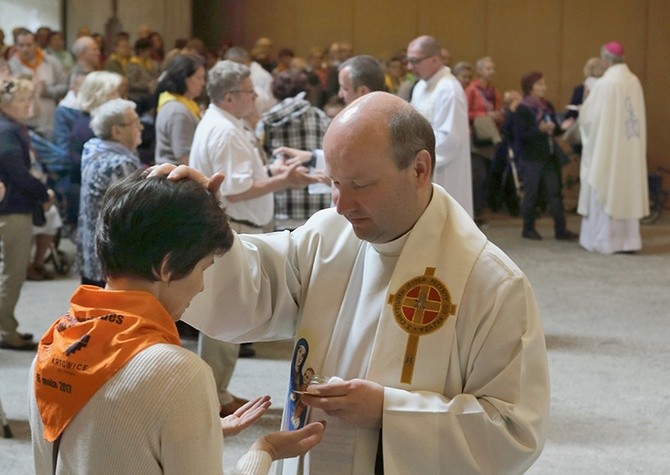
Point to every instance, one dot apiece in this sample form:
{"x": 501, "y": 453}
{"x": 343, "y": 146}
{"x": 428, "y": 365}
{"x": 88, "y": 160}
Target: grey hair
{"x": 80, "y": 45}
{"x": 238, "y": 54}
{"x": 482, "y": 61}
{"x": 96, "y": 88}
{"x": 366, "y": 71}
{"x": 594, "y": 67}
{"x": 612, "y": 58}
{"x": 224, "y": 77}
{"x": 409, "y": 133}
{"x": 461, "y": 66}
{"x": 109, "y": 114}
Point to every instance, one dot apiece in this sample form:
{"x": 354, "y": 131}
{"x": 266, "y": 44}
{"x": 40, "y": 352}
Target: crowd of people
{"x": 335, "y": 165}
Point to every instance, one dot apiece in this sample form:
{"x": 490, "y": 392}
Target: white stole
{"x": 444, "y": 238}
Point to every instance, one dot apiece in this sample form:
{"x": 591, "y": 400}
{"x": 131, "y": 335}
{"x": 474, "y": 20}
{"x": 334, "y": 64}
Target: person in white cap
{"x": 613, "y": 195}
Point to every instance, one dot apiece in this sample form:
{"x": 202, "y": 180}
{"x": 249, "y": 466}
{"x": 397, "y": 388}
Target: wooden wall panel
{"x": 459, "y": 26}
{"x": 276, "y": 19}
{"x": 332, "y": 22}
{"x": 657, "y": 92}
{"x": 588, "y": 25}
{"x": 385, "y": 27}
{"x": 519, "y": 43}
{"x": 553, "y": 36}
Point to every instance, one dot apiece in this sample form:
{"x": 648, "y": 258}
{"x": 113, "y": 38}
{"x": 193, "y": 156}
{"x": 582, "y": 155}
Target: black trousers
{"x": 542, "y": 188}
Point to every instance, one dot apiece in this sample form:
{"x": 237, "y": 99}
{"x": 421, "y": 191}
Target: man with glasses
{"x": 47, "y": 75}
{"x": 222, "y": 143}
{"x": 439, "y": 97}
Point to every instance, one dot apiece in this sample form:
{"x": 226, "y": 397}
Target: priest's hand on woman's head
{"x": 175, "y": 173}
{"x": 357, "y": 401}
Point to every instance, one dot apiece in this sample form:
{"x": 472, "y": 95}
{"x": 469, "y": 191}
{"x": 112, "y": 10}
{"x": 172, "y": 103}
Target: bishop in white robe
{"x": 613, "y": 176}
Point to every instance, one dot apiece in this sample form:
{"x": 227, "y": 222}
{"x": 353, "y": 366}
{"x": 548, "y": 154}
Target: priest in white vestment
{"x": 440, "y": 98}
{"x": 418, "y": 341}
{"x": 613, "y": 194}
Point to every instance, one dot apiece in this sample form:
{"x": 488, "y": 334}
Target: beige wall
{"x": 553, "y": 36}
{"x": 171, "y": 18}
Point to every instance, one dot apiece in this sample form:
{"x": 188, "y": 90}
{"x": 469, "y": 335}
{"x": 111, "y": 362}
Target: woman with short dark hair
{"x": 178, "y": 113}
{"x": 534, "y": 128}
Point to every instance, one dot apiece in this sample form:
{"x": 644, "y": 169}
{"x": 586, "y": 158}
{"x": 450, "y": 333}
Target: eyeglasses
{"x": 416, "y": 60}
{"x": 247, "y": 91}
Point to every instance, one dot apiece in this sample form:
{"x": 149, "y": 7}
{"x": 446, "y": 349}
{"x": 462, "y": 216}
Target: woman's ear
{"x": 164, "y": 274}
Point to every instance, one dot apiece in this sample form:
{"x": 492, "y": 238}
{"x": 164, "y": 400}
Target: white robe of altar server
{"x": 478, "y": 400}
{"x": 442, "y": 101}
{"x": 613, "y": 175}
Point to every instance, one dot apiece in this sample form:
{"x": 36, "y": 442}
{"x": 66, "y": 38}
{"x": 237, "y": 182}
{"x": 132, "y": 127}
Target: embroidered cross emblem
{"x": 420, "y": 306}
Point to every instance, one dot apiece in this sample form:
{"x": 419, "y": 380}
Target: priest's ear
{"x": 422, "y": 167}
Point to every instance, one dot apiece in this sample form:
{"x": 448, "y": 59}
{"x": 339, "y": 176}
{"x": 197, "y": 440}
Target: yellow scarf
{"x": 123, "y": 62}
{"x": 146, "y": 63}
{"x": 190, "y": 104}
{"x": 84, "y": 349}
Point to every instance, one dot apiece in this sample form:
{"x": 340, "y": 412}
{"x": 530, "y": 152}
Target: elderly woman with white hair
{"x": 25, "y": 194}
{"x": 97, "y": 88}
{"x": 107, "y": 158}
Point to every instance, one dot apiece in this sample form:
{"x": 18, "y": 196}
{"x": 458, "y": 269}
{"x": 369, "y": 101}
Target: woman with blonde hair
{"x": 98, "y": 87}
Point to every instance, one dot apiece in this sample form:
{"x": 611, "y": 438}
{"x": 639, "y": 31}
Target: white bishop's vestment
{"x": 476, "y": 399}
{"x": 613, "y": 176}
{"x": 442, "y": 101}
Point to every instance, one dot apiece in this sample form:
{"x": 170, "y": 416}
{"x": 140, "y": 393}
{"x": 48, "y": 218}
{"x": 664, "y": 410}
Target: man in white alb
{"x": 426, "y": 337}
{"x": 440, "y": 98}
{"x": 613, "y": 176}
{"x": 222, "y": 144}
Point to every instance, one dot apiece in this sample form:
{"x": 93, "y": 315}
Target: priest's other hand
{"x": 357, "y": 401}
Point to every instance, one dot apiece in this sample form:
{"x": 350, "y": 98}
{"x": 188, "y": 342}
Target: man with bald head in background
{"x": 440, "y": 98}
{"x": 87, "y": 55}
{"x": 425, "y": 335}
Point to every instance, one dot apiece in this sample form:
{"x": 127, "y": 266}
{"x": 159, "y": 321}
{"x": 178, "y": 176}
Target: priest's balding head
{"x": 380, "y": 153}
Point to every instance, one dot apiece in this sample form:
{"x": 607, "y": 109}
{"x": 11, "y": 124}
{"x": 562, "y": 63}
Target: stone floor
{"x": 607, "y": 323}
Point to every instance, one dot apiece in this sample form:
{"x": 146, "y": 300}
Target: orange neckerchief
{"x": 84, "y": 349}
{"x": 34, "y": 64}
